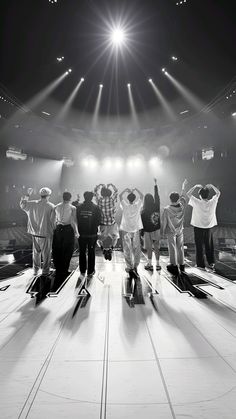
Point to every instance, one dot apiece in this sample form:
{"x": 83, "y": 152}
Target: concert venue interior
{"x": 122, "y": 92}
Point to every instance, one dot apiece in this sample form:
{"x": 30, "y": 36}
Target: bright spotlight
{"x": 101, "y": 86}
{"x": 118, "y": 163}
{"x": 150, "y": 80}
{"x": 128, "y": 85}
{"x": 107, "y": 163}
{"x": 82, "y": 79}
{"x": 234, "y": 114}
{"x": 154, "y": 162}
{"x": 67, "y": 72}
{"x": 163, "y": 69}
{"x": 70, "y": 70}
{"x": 117, "y": 36}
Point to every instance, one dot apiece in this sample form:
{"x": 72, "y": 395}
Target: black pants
{"x": 203, "y": 238}
{"x": 62, "y": 249}
{"x": 87, "y": 261}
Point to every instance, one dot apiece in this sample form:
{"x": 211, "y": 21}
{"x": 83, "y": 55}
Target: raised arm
{"x": 121, "y": 196}
{"x": 115, "y": 190}
{"x": 139, "y": 192}
{"x": 215, "y": 189}
{"x": 24, "y": 199}
{"x": 97, "y": 190}
{"x": 191, "y": 190}
{"x": 156, "y": 195}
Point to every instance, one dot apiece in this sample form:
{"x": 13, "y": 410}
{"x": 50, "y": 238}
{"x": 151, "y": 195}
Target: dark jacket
{"x": 88, "y": 219}
{"x": 151, "y": 217}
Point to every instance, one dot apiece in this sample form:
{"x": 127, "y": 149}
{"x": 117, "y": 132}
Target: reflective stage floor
{"x": 145, "y": 352}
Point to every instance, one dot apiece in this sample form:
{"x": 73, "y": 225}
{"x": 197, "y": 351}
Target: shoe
{"x": 148, "y": 267}
{"x": 173, "y": 269}
{"x": 91, "y": 274}
{"x": 182, "y": 268}
{"x": 36, "y": 272}
{"x": 158, "y": 267}
{"x": 212, "y": 267}
{"x": 201, "y": 267}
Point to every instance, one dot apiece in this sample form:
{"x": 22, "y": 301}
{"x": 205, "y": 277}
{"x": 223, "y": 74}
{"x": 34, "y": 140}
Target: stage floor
{"x": 158, "y": 353}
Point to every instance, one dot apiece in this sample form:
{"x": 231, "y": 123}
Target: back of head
{"x": 45, "y": 192}
{"x": 174, "y": 197}
{"x": 149, "y": 202}
{"x": 204, "y": 193}
{"x": 88, "y": 196}
{"x": 105, "y": 192}
{"x": 66, "y": 196}
{"x": 131, "y": 197}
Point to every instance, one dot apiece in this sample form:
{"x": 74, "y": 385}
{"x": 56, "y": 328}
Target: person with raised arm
{"x": 106, "y": 197}
{"x": 173, "y": 225}
{"x": 151, "y": 226}
{"x": 40, "y": 225}
{"x": 203, "y": 219}
{"x": 131, "y": 224}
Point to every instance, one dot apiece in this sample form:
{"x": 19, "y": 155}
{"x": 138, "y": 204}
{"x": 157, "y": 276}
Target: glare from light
{"x": 174, "y": 58}
{"x": 118, "y": 163}
{"x": 150, "y": 80}
{"x": 107, "y": 163}
{"x": 89, "y": 162}
{"x": 82, "y": 79}
{"x": 154, "y": 162}
{"x": 118, "y": 36}
{"x": 163, "y": 69}
{"x": 128, "y": 85}
{"x": 101, "y": 86}
{"x": 234, "y": 114}
{"x": 70, "y": 70}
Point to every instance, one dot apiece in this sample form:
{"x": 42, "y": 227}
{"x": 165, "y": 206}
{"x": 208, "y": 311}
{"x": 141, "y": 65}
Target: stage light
{"x": 166, "y": 73}
{"x": 118, "y": 163}
{"x": 82, "y": 79}
{"x": 67, "y": 72}
{"x": 174, "y": 58}
{"x": 70, "y": 70}
{"x": 128, "y": 85}
{"x": 118, "y": 36}
{"x": 46, "y": 113}
{"x": 163, "y": 69}
{"x": 234, "y": 114}
{"x": 155, "y": 162}
{"x": 186, "y": 111}
{"x": 150, "y": 80}
{"x": 107, "y": 163}
{"x": 68, "y": 162}
{"x": 15, "y": 154}
{"x": 101, "y": 86}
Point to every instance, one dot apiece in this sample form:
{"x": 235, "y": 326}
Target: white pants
{"x": 176, "y": 248}
{"x": 42, "y": 247}
{"x": 131, "y": 249}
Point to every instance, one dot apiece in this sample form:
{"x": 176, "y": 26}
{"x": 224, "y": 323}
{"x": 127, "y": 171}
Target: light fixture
{"x": 101, "y": 86}
{"x": 150, "y": 80}
{"x": 117, "y": 36}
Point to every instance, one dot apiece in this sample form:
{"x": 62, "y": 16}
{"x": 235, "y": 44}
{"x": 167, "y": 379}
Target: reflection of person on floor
{"x": 151, "y": 226}
{"x": 107, "y": 199}
{"x": 131, "y": 224}
{"x": 203, "y": 219}
{"x": 173, "y": 219}
{"x": 88, "y": 219}
{"x": 40, "y": 225}
{"x": 64, "y": 236}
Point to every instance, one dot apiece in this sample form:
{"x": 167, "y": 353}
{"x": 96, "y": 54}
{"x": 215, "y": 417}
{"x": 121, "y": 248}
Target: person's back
{"x": 89, "y": 218}
{"x": 204, "y": 211}
{"x": 175, "y": 216}
{"x": 40, "y": 216}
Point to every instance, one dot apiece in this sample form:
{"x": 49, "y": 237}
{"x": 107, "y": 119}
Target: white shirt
{"x": 66, "y": 214}
{"x": 131, "y": 218}
{"x": 204, "y": 212}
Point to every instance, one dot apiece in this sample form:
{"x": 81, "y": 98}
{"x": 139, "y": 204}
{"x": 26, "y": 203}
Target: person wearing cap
{"x": 64, "y": 236}
{"x": 88, "y": 219}
{"x": 40, "y": 226}
{"x": 203, "y": 219}
{"x": 131, "y": 224}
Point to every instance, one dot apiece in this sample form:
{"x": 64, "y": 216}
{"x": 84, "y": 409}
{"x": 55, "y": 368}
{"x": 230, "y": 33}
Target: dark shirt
{"x": 151, "y": 217}
{"x": 88, "y": 218}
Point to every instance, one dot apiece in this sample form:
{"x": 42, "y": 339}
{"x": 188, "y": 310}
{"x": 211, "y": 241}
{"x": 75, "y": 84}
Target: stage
{"x": 95, "y": 350}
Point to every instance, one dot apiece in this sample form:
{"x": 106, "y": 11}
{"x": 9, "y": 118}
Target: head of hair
{"x": 174, "y": 197}
{"x": 88, "y": 196}
{"x": 204, "y": 193}
{"x": 131, "y": 197}
{"x": 105, "y": 192}
{"x": 45, "y": 192}
{"x": 66, "y": 196}
{"x": 148, "y": 203}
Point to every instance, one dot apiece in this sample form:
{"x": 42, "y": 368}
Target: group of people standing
{"x": 54, "y": 228}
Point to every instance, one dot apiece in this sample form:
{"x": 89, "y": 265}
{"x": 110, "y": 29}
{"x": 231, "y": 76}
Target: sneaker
{"x": 173, "y": 269}
{"x": 201, "y": 267}
{"x": 148, "y": 267}
{"x": 158, "y": 267}
{"x": 91, "y": 274}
